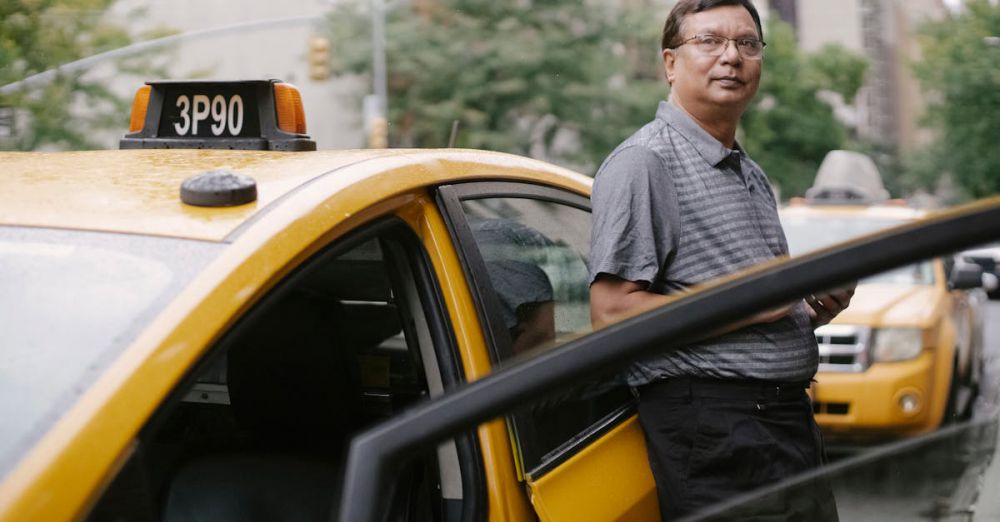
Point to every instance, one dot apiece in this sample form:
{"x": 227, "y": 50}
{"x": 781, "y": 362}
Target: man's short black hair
{"x": 672, "y": 28}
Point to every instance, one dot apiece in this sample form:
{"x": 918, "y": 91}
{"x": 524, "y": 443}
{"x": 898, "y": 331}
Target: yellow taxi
{"x": 906, "y": 355}
{"x": 184, "y": 323}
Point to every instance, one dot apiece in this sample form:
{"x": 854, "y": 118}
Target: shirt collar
{"x": 711, "y": 149}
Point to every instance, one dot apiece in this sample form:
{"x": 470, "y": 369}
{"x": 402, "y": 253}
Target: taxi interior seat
{"x": 295, "y": 392}
{"x": 260, "y": 430}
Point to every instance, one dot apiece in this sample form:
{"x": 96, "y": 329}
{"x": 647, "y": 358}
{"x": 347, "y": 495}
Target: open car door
{"x": 376, "y": 453}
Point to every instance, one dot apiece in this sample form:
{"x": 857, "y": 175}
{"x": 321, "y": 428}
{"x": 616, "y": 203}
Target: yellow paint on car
{"x": 306, "y": 200}
{"x": 609, "y": 480}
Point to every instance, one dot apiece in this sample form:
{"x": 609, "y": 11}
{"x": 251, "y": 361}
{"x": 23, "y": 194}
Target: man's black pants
{"x": 711, "y": 440}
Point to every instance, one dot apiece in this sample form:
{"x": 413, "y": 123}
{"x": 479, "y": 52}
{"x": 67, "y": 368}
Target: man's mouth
{"x": 729, "y": 81}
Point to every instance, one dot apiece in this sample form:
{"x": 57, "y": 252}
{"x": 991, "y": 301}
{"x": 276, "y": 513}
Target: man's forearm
{"x": 610, "y": 304}
{"x": 607, "y": 309}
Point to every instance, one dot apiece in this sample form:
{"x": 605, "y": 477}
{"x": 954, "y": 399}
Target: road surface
{"x": 947, "y": 480}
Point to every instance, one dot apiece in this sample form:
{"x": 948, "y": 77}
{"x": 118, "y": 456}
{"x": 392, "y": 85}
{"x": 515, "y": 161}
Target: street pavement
{"x": 988, "y": 402}
{"x": 987, "y": 406}
{"x": 951, "y": 479}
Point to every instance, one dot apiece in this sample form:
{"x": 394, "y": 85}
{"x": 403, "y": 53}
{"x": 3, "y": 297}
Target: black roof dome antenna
{"x": 218, "y": 188}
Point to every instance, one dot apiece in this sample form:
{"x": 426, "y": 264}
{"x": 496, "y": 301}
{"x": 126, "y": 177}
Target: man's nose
{"x": 731, "y": 53}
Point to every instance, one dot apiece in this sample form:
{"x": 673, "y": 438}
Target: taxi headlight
{"x": 897, "y": 344}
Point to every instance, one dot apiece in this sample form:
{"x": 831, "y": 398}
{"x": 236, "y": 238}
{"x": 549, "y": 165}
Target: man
{"x": 680, "y": 203}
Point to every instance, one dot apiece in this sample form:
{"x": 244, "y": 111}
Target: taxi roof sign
{"x": 245, "y": 115}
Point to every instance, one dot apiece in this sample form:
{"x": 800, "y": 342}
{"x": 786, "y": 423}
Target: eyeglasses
{"x": 715, "y": 45}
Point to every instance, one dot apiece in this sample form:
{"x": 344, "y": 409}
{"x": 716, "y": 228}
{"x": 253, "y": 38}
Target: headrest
{"x": 289, "y": 377}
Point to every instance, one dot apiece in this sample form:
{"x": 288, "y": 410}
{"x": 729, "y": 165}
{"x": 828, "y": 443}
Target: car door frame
{"x": 449, "y": 199}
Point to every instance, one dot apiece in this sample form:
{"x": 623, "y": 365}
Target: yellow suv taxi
{"x": 906, "y": 355}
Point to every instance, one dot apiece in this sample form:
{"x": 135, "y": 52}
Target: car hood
{"x": 892, "y": 305}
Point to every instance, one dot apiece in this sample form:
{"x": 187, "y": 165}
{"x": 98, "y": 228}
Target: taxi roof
{"x": 138, "y": 191}
{"x": 891, "y": 212}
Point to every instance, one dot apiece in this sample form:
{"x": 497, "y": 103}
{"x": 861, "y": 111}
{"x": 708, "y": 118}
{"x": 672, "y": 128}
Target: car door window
{"x": 532, "y": 246}
{"x": 260, "y": 430}
{"x": 535, "y": 257}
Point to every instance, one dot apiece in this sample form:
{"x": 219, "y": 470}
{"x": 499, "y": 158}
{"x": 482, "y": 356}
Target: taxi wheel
{"x": 975, "y": 377}
{"x": 970, "y": 383}
{"x": 959, "y": 406}
{"x": 950, "y": 409}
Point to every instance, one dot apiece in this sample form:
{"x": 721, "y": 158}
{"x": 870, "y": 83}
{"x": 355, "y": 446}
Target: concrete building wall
{"x": 763, "y": 9}
{"x": 823, "y": 21}
{"x": 889, "y": 105}
{"x": 880, "y": 39}
{"x": 910, "y": 15}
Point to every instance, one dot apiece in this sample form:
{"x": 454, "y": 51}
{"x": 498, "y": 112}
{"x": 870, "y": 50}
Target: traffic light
{"x": 378, "y": 133}
{"x": 319, "y": 58}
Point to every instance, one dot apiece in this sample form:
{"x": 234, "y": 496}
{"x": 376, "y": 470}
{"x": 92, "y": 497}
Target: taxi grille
{"x": 843, "y": 348}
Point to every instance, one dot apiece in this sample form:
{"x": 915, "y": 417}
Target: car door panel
{"x": 605, "y": 481}
{"x": 525, "y": 246}
{"x": 498, "y": 467}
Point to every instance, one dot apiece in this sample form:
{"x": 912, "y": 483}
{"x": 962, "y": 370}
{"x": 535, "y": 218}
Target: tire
{"x": 951, "y": 413}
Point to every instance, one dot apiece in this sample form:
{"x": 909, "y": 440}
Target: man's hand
{"x": 824, "y": 307}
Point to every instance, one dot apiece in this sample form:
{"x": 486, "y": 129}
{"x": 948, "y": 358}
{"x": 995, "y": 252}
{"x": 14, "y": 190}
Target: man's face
{"x": 702, "y": 82}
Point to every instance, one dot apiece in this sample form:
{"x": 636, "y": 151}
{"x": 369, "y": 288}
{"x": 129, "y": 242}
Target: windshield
{"x": 71, "y": 302}
{"x": 806, "y": 234}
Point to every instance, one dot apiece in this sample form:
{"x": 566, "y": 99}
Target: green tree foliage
{"x": 837, "y": 69}
{"x": 519, "y": 74}
{"x": 38, "y": 35}
{"x": 787, "y": 129}
{"x": 960, "y": 71}
{"x": 566, "y": 80}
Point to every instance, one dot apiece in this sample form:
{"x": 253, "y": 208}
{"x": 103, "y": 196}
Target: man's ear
{"x": 669, "y": 59}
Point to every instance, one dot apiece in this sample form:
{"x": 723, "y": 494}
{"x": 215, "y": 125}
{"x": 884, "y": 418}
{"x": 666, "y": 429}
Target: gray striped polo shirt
{"x": 673, "y": 207}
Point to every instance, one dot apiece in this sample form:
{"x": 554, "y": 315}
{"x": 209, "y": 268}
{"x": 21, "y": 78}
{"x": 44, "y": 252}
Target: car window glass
{"x": 535, "y": 254}
{"x": 58, "y": 339}
{"x": 263, "y": 426}
{"x": 806, "y": 234}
